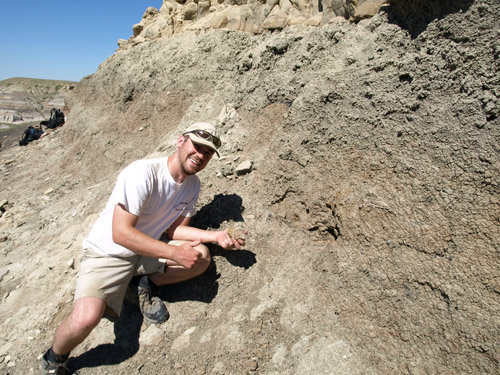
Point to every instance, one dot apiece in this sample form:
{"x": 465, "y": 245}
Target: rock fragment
{"x": 3, "y": 206}
{"x": 237, "y": 233}
{"x": 244, "y": 168}
{"x": 3, "y": 273}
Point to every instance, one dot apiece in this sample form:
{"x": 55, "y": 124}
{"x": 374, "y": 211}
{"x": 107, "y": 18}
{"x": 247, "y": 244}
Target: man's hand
{"x": 227, "y": 242}
{"x": 186, "y": 256}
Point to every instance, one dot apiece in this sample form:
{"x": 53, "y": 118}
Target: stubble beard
{"x": 194, "y": 168}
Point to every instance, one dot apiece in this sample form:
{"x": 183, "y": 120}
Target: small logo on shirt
{"x": 181, "y": 206}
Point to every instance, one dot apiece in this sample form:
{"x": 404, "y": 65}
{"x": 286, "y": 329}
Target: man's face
{"x": 193, "y": 156}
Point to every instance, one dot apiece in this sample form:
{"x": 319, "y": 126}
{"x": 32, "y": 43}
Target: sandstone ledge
{"x": 244, "y": 15}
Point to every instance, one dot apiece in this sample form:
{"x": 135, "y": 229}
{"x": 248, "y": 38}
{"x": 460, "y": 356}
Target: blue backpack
{"x": 31, "y": 134}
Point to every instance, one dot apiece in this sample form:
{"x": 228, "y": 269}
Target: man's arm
{"x": 126, "y": 235}
{"x": 180, "y": 230}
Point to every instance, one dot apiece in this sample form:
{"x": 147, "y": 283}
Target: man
{"x": 123, "y": 254}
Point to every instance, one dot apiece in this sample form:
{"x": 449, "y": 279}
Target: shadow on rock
{"x": 224, "y": 207}
{"x": 127, "y": 330}
{"x": 239, "y": 258}
{"x": 203, "y": 288}
{"x": 415, "y": 16}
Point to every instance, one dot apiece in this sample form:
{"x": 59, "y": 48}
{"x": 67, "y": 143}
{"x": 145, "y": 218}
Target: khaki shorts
{"x": 107, "y": 277}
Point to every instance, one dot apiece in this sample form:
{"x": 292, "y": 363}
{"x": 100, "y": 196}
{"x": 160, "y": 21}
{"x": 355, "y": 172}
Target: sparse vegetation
{"x": 33, "y": 82}
{"x": 5, "y": 126}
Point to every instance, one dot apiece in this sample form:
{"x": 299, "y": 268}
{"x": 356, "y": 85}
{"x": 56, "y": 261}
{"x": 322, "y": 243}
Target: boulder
{"x": 137, "y": 29}
{"x": 368, "y": 9}
{"x": 277, "y": 19}
{"x": 190, "y": 11}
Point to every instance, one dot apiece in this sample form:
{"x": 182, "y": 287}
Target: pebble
{"x": 252, "y": 364}
{"x": 244, "y": 168}
{"x": 3, "y": 273}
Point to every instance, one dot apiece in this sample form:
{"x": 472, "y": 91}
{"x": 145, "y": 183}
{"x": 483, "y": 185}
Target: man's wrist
{"x": 167, "y": 251}
{"x": 215, "y": 235}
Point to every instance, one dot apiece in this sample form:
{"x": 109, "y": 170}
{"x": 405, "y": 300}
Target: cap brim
{"x": 204, "y": 142}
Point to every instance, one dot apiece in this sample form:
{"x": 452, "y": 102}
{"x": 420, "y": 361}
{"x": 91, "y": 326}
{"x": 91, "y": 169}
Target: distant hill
{"x": 30, "y": 100}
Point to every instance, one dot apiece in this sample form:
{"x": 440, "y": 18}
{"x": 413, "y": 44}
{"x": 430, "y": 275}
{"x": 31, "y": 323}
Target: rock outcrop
{"x": 254, "y": 16}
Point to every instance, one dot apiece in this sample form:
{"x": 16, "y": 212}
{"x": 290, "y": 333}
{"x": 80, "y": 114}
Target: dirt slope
{"x": 372, "y": 206}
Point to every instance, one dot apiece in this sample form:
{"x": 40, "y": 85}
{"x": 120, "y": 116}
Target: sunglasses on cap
{"x": 206, "y": 135}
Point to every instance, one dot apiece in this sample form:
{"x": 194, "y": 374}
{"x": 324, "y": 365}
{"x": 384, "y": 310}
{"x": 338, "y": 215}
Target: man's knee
{"x": 204, "y": 261}
{"x": 87, "y": 313}
{"x": 205, "y": 253}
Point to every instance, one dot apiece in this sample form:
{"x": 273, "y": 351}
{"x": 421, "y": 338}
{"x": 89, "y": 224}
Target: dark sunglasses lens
{"x": 203, "y": 134}
{"x": 206, "y": 135}
{"x": 216, "y": 141}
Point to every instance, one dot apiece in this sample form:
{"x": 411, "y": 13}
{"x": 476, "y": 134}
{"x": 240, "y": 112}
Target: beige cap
{"x": 204, "y": 134}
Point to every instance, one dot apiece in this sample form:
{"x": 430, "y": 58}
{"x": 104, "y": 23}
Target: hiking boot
{"x": 53, "y": 368}
{"x": 152, "y": 307}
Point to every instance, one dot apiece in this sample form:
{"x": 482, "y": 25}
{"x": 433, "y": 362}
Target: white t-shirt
{"x": 146, "y": 189}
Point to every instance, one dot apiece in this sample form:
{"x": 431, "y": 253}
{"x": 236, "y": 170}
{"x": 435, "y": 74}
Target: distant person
{"x": 123, "y": 254}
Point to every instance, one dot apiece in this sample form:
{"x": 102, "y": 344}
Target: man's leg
{"x": 142, "y": 289}
{"x": 175, "y": 273}
{"x": 86, "y": 314}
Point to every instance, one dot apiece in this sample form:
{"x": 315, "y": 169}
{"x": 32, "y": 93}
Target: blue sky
{"x": 63, "y": 39}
